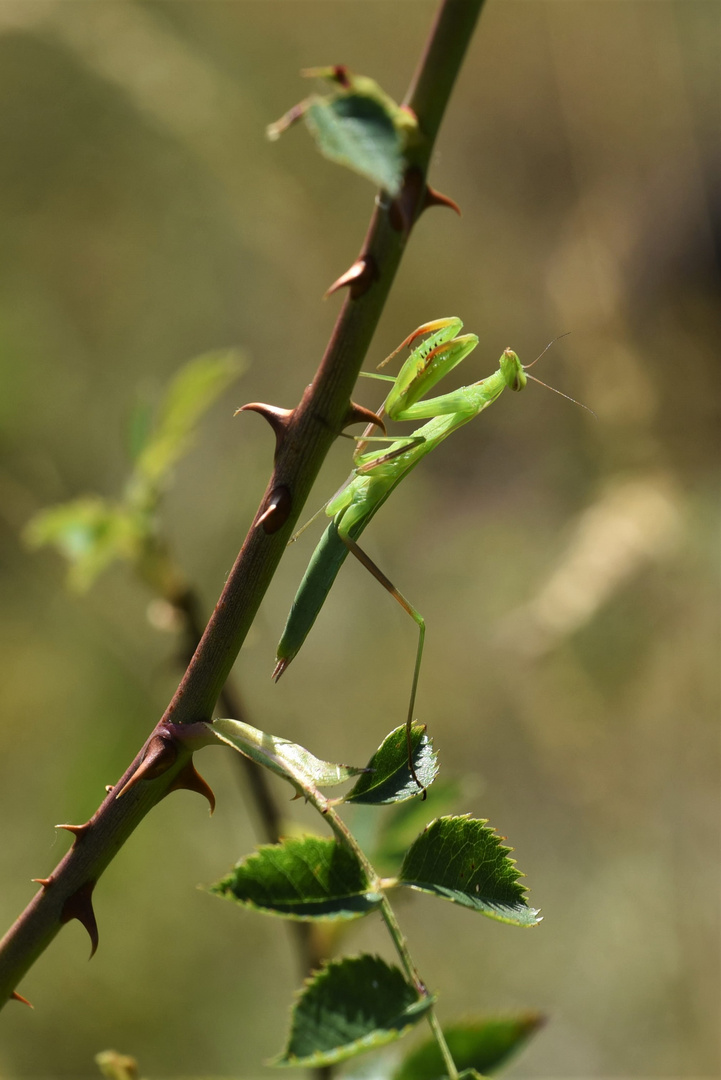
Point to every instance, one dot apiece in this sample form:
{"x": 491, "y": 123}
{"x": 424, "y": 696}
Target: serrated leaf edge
{"x": 370, "y": 1041}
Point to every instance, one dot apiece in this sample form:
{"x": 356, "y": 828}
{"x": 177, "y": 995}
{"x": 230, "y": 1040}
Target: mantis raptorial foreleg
{"x": 377, "y": 472}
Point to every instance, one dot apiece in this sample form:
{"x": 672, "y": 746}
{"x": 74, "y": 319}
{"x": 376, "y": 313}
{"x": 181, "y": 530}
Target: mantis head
{"x": 512, "y": 370}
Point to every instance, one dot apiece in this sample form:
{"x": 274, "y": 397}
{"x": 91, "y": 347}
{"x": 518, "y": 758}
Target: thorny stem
{"x": 307, "y": 437}
{"x": 309, "y": 946}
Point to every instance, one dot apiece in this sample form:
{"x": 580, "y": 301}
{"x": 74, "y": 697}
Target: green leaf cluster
{"x": 359, "y": 1003}
{"x": 91, "y": 532}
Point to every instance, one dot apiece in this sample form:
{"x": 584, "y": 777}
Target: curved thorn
{"x": 276, "y": 514}
{"x": 77, "y": 830}
{"x": 359, "y": 277}
{"x": 80, "y": 906}
{"x": 279, "y": 419}
{"x": 45, "y": 882}
{"x": 189, "y": 779}
{"x": 18, "y": 997}
{"x": 358, "y": 414}
{"x": 437, "y": 198}
{"x": 160, "y": 755}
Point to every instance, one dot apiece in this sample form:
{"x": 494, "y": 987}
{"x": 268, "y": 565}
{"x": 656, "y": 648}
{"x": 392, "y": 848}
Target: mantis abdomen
{"x": 320, "y": 574}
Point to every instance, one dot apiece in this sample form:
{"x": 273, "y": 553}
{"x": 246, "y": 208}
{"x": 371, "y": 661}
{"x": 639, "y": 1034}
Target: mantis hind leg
{"x": 378, "y": 574}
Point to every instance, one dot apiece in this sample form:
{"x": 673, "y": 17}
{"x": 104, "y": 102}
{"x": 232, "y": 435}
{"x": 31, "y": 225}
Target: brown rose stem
{"x": 303, "y": 440}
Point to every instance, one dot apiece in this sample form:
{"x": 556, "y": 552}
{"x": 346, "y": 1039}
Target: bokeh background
{"x": 566, "y": 565}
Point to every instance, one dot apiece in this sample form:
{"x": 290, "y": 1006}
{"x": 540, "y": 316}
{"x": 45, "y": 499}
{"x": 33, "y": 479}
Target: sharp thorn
{"x": 358, "y": 414}
{"x": 80, "y": 906}
{"x": 159, "y": 756}
{"x": 46, "y": 882}
{"x": 18, "y": 997}
{"x": 359, "y": 278}
{"x": 279, "y": 419}
{"x": 76, "y": 830}
{"x": 436, "y": 198}
{"x": 276, "y": 514}
{"x": 189, "y": 779}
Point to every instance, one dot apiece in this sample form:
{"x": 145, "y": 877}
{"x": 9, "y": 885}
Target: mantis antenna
{"x": 553, "y": 388}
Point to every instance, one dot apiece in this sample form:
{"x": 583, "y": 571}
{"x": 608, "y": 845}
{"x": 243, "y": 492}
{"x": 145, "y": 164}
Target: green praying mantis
{"x": 377, "y": 473}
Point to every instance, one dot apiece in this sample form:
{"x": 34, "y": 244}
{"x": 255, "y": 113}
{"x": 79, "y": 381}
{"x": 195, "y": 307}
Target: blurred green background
{"x": 566, "y": 566}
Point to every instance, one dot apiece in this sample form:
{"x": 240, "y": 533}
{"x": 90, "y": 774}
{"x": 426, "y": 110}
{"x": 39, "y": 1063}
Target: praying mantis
{"x": 377, "y": 473}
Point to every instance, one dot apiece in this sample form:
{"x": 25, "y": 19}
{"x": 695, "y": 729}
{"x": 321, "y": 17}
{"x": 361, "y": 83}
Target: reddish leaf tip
{"x": 279, "y": 668}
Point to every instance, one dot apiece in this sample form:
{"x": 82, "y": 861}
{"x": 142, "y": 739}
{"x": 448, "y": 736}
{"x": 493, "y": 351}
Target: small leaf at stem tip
{"x": 348, "y": 1007}
{"x": 478, "y": 1046}
{"x": 463, "y": 860}
{"x": 388, "y": 778}
{"x": 286, "y": 759}
{"x": 305, "y": 878}
{"x": 357, "y": 125}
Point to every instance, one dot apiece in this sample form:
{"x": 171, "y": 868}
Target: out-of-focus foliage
{"x": 92, "y": 532}
{"x": 566, "y": 567}
{"x": 484, "y": 1045}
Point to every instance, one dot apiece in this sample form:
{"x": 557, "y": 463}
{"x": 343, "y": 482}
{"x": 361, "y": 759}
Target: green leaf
{"x": 348, "y": 1007}
{"x": 287, "y": 759}
{"x": 358, "y": 125}
{"x": 308, "y": 878}
{"x": 89, "y": 532}
{"x": 190, "y": 394}
{"x": 355, "y": 131}
{"x": 388, "y": 778}
{"x": 477, "y": 1047}
{"x": 461, "y": 859}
